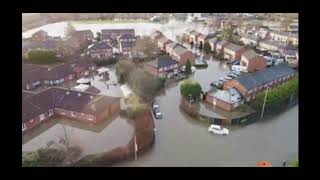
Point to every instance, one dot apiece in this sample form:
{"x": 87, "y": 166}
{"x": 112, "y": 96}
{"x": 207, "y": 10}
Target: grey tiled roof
{"x": 34, "y": 105}
{"x": 162, "y": 61}
{"x": 100, "y": 45}
{"x": 252, "y": 80}
{"x": 233, "y": 47}
{"x": 213, "y": 40}
{"x": 222, "y": 42}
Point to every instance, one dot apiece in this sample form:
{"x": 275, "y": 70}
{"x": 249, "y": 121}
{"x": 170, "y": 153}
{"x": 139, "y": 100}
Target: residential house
{"x": 227, "y": 100}
{"x": 262, "y": 32}
{"x": 220, "y": 46}
{"x": 201, "y": 40}
{"x": 233, "y": 52}
{"x": 194, "y": 37}
{"x": 155, "y": 36}
{"x": 250, "y": 84}
{"x": 285, "y": 37}
{"x": 163, "y": 66}
{"x": 272, "y": 45}
{"x": 106, "y": 38}
{"x": 114, "y": 33}
{"x": 163, "y": 42}
{"x": 213, "y": 43}
{"x": 181, "y": 55}
{"x": 84, "y": 35}
{"x": 40, "y": 36}
{"x": 81, "y": 106}
{"x": 35, "y": 75}
{"x": 251, "y": 61}
{"x": 249, "y": 39}
{"x": 126, "y": 47}
{"x": 101, "y": 50}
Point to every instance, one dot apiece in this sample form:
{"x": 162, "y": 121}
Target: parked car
{"x": 227, "y": 78}
{"x": 216, "y": 129}
{"x": 155, "y": 105}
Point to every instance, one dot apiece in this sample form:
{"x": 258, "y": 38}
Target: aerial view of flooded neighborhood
{"x": 160, "y": 89}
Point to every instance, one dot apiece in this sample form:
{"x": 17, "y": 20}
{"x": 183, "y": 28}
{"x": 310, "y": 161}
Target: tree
{"x": 69, "y": 30}
{"x": 123, "y": 69}
{"x": 144, "y": 85}
{"x": 188, "y": 67}
{"x": 98, "y": 38}
{"x": 190, "y": 87}
{"x": 207, "y": 48}
{"x": 146, "y": 46}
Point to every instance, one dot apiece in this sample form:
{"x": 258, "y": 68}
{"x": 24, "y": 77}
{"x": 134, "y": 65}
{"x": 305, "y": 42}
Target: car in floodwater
{"x": 156, "y": 110}
{"x": 216, "y": 129}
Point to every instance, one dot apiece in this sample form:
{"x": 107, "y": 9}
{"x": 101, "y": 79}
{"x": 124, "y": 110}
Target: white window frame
{"x": 24, "y": 127}
{"x": 42, "y": 117}
{"x": 50, "y": 112}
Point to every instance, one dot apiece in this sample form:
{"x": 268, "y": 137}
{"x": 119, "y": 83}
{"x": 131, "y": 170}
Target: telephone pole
{"x": 264, "y": 103}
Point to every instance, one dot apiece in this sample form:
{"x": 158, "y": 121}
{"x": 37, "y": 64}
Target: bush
{"x": 135, "y": 106}
{"x": 190, "y": 87}
{"x": 201, "y": 65}
{"x": 188, "y": 67}
{"x": 42, "y": 57}
{"x": 43, "y": 157}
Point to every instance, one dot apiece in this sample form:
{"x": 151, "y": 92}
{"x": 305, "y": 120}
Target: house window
{"x": 42, "y": 117}
{"x": 50, "y": 112}
{"x": 90, "y": 117}
{"x": 73, "y": 114}
{"x": 24, "y": 127}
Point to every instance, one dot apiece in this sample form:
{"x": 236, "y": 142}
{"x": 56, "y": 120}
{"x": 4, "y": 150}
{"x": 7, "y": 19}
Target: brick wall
{"x": 184, "y": 57}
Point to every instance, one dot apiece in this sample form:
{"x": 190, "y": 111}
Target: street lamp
{"x": 264, "y": 103}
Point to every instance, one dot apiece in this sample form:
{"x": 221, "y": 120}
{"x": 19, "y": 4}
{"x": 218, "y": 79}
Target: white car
{"x": 218, "y": 130}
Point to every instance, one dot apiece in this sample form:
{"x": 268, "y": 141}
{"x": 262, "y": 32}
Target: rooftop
{"x": 252, "y": 80}
{"x": 179, "y": 50}
{"x": 100, "y": 45}
{"x": 229, "y": 96}
{"x": 233, "y": 47}
{"x": 65, "y": 99}
{"x": 162, "y": 61}
{"x": 250, "y": 54}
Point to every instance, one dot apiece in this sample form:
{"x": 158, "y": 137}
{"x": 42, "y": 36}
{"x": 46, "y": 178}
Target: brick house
{"x": 81, "y": 106}
{"x": 213, "y": 43}
{"x": 126, "y": 47}
{"x": 155, "y": 36}
{"x": 251, "y": 61}
{"x": 163, "y": 66}
{"x": 284, "y": 37}
{"x": 201, "y": 39}
{"x": 115, "y": 33}
{"x": 84, "y": 35}
{"x": 233, "y": 52}
{"x": 272, "y": 45}
{"x": 220, "y": 46}
{"x": 194, "y": 37}
{"x": 249, "y": 39}
{"x": 250, "y": 84}
{"x": 106, "y": 38}
{"x": 163, "y": 42}
{"x": 40, "y": 36}
{"x": 35, "y": 75}
{"x": 101, "y": 50}
{"x": 227, "y": 100}
{"x": 181, "y": 55}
